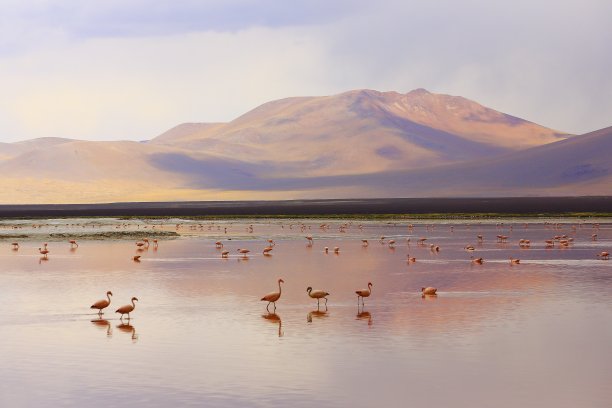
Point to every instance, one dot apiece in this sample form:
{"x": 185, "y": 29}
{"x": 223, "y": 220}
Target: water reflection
{"x": 128, "y": 328}
{"x": 317, "y": 314}
{"x": 104, "y": 325}
{"x": 274, "y": 318}
{"x": 364, "y": 315}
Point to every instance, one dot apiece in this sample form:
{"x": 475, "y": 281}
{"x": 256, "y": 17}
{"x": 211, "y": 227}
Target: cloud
{"x": 109, "y": 70}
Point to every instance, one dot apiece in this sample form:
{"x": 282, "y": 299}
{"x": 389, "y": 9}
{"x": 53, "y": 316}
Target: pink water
{"x": 538, "y": 334}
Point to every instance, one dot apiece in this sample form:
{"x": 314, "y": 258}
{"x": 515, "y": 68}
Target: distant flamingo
{"x": 15, "y": 246}
{"x": 470, "y": 247}
{"x": 391, "y": 243}
{"x": 336, "y": 250}
{"x": 317, "y": 294}
{"x": 225, "y": 254}
{"x": 102, "y": 304}
{"x": 136, "y": 258}
{"x": 364, "y": 293}
{"x": 267, "y": 250}
{"x": 218, "y": 244}
{"x": 273, "y": 296}
{"x": 244, "y": 252}
{"x": 73, "y": 243}
{"x": 514, "y": 261}
{"x": 44, "y": 252}
{"x": 479, "y": 261}
{"x": 326, "y": 250}
{"x": 410, "y": 259}
{"x": 127, "y": 309}
{"x": 365, "y": 242}
{"x": 429, "y": 291}
{"x": 309, "y": 238}
{"x": 604, "y": 255}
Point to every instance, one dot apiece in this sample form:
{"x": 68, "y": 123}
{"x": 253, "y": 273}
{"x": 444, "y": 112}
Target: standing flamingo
{"x": 244, "y": 252}
{"x": 73, "y": 243}
{"x": 127, "y": 309}
{"x": 44, "y": 252}
{"x": 364, "y": 293}
{"x": 267, "y": 250}
{"x": 102, "y": 304}
{"x": 273, "y": 296}
{"x": 317, "y": 294}
{"x": 225, "y": 254}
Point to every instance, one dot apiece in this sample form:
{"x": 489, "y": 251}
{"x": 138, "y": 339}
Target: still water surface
{"x": 538, "y": 334}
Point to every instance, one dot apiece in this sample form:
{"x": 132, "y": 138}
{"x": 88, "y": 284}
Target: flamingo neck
{"x": 133, "y": 304}
{"x": 108, "y": 297}
{"x": 279, "y": 287}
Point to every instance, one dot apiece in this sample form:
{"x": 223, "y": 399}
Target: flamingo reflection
{"x": 104, "y": 324}
{"x": 128, "y": 328}
{"x": 316, "y": 314}
{"x": 364, "y": 315}
{"x": 274, "y": 318}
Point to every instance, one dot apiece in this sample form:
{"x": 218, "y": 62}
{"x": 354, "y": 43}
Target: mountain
{"x": 359, "y": 143}
{"x": 361, "y": 131}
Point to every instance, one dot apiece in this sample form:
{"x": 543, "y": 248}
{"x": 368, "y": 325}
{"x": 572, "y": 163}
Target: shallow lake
{"x": 536, "y": 334}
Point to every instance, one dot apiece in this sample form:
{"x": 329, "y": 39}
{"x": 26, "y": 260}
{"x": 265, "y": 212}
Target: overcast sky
{"x": 108, "y": 70}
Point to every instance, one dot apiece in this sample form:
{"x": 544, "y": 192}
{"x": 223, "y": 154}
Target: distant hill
{"x": 360, "y": 143}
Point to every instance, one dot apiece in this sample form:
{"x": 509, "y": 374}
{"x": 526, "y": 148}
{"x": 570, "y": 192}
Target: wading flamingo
{"x": 136, "y": 258}
{"x": 364, "y": 293}
{"x": 273, "y": 296}
{"x": 267, "y": 251}
{"x": 44, "y": 252}
{"x": 102, "y": 304}
{"x": 244, "y": 252}
{"x": 127, "y": 309}
{"x": 604, "y": 255}
{"x": 73, "y": 243}
{"x": 317, "y": 294}
{"x": 225, "y": 254}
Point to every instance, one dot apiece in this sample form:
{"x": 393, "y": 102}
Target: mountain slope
{"x": 363, "y": 131}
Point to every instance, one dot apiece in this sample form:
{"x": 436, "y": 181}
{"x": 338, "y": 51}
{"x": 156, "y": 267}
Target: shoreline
{"x": 382, "y": 208}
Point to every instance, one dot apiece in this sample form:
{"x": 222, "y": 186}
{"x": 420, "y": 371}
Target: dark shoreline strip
{"x": 497, "y": 205}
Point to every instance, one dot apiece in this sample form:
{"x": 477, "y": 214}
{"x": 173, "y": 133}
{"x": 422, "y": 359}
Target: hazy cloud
{"x": 110, "y": 70}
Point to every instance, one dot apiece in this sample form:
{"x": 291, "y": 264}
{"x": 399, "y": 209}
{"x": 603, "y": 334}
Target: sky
{"x": 117, "y": 70}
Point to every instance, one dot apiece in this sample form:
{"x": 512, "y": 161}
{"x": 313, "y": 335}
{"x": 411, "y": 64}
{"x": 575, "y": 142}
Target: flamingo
{"x": 326, "y": 250}
{"x": 244, "y": 252}
{"x": 155, "y": 244}
{"x": 604, "y": 255}
{"x": 514, "y": 261}
{"x": 127, "y": 309}
{"x": 469, "y": 247}
{"x": 225, "y": 254}
{"x": 273, "y": 297}
{"x": 44, "y": 252}
{"x": 364, "y": 293}
{"x": 410, "y": 259}
{"x": 136, "y": 258}
{"x": 218, "y": 244}
{"x": 317, "y": 294}
{"x": 479, "y": 261}
{"x": 428, "y": 291}
{"x": 73, "y": 243}
{"x": 309, "y": 238}
{"x": 271, "y": 242}
{"x": 365, "y": 242}
{"x": 102, "y": 304}
{"x": 267, "y": 250}
{"x": 336, "y": 250}
{"x": 15, "y": 246}
{"x": 480, "y": 239}
{"x": 391, "y": 243}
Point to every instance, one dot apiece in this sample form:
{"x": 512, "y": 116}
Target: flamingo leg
{"x": 268, "y": 306}
{"x": 325, "y": 302}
